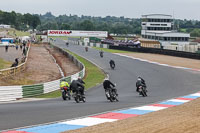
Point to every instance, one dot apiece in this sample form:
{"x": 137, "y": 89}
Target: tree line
{"x": 112, "y": 24}
{"x": 20, "y": 21}
{"x": 116, "y": 25}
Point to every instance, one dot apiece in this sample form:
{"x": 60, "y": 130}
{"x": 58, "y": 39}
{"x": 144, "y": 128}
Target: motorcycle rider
{"x": 76, "y": 86}
{"x": 64, "y": 83}
{"x": 112, "y": 63}
{"x": 86, "y": 48}
{"x": 101, "y": 53}
{"x": 107, "y": 84}
{"x": 80, "y": 80}
{"x": 67, "y": 44}
{"x": 140, "y": 82}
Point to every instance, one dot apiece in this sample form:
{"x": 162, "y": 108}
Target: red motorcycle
{"x": 65, "y": 93}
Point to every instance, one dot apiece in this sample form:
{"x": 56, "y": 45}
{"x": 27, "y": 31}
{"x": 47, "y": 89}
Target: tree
{"x": 65, "y": 27}
{"x": 195, "y": 33}
{"x": 35, "y": 22}
{"x": 87, "y": 25}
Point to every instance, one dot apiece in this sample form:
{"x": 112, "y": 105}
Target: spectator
{"x": 24, "y": 51}
{"x": 21, "y": 46}
{"x": 16, "y": 47}
{"x": 6, "y": 48}
{"x": 15, "y": 64}
{"x": 24, "y": 43}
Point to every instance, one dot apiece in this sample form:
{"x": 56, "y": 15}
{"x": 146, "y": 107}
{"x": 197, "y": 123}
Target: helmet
{"x": 106, "y": 78}
{"x": 63, "y": 79}
{"x": 139, "y": 78}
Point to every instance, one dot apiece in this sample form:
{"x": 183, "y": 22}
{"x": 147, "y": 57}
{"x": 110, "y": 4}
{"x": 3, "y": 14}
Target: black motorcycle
{"x": 79, "y": 97}
{"x": 86, "y": 49}
{"x": 112, "y": 66}
{"x": 101, "y": 54}
{"x": 112, "y": 95}
{"x": 142, "y": 91}
{"x": 65, "y": 93}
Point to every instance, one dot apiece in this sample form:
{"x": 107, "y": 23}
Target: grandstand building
{"x": 161, "y": 27}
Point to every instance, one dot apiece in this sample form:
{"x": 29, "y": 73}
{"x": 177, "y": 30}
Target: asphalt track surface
{"x": 162, "y": 82}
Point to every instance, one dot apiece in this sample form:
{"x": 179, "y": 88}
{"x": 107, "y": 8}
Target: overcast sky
{"x": 182, "y": 9}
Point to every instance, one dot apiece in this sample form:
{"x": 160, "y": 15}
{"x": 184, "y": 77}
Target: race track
{"x": 162, "y": 82}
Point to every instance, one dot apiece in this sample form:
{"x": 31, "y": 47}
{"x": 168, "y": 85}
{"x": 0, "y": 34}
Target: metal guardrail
{"x": 14, "y": 70}
{"x": 160, "y": 51}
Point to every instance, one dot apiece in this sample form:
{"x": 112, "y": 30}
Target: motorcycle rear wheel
{"x": 64, "y": 95}
{"x": 77, "y": 99}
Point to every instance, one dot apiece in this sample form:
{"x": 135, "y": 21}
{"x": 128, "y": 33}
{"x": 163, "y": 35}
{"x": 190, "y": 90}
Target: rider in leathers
{"x": 107, "y": 84}
{"x": 112, "y": 63}
{"x": 140, "y": 82}
{"x": 76, "y": 86}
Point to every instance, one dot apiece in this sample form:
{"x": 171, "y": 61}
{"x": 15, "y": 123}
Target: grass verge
{"x": 112, "y": 50}
{"x": 4, "y": 64}
{"x": 17, "y": 33}
{"x": 93, "y": 77}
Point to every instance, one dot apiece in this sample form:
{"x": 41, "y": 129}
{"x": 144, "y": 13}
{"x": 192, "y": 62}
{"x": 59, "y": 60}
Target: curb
{"x": 110, "y": 116}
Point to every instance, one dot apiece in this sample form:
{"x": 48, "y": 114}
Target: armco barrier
{"x": 11, "y": 93}
{"x": 32, "y": 90}
{"x": 146, "y": 50}
{"x": 51, "y": 86}
{"x": 12, "y": 71}
{"x": 159, "y": 51}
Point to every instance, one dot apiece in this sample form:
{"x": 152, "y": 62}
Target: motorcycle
{"x": 101, "y": 54}
{"x": 112, "y": 66}
{"x": 79, "y": 97}
{"x": 112, "y": 95}
{"x": 142, "y": 91}
{"x": 65, "y": 93}
{"x": 86, "y": 49}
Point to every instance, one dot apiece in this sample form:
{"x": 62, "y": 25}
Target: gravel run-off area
{"x": 40, "y": 67}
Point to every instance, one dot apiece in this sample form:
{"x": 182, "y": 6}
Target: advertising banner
{"x": 77, "y": 33}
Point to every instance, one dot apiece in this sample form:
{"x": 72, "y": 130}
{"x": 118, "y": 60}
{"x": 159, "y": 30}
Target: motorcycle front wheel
{"x": 64, "y": 95}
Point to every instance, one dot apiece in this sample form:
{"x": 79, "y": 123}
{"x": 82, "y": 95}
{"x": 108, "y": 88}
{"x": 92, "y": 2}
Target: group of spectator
{"x": 24, "y": 49}
{"x": 134, "y": 43}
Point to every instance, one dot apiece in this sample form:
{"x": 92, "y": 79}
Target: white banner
{"x": 77, "y": 33}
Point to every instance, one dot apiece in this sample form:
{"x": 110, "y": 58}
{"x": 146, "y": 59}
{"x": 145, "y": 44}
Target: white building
{"x": 5, "y": 26}
{"x": 161, "y": 27}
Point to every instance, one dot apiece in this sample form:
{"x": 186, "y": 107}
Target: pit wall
{"x": 12, "y": 93}
{"x": 99, "y": 45}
